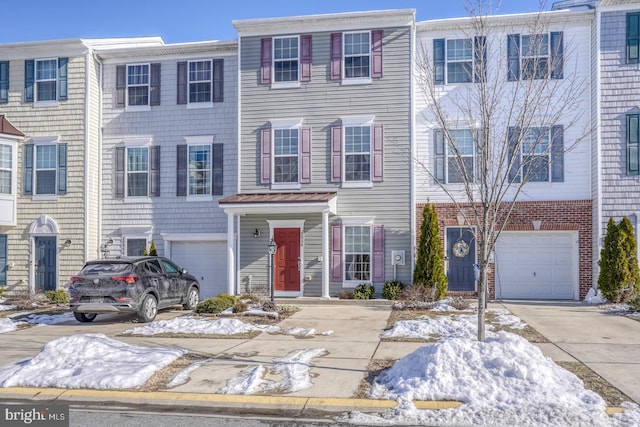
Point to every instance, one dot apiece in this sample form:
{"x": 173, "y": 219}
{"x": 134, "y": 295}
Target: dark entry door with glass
{"x": 461, "y": 252}
{"x": 45, "y": 276}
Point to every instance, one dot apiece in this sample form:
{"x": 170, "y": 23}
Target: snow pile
{"x": 7, "y": 325}
{"x": 182, "y": 377}
{"x": 49, "y": 319}
{"x": 7, "y": 307}
{"x": 92, "y": 361}
{"x": 505, "y": 318}
{"x": 465, "y": 326}
{"x": 594, "y": 297}
{"x": 293, "y": 368}
{"x": 305, "y": 333}
{"x": 189, "y": 325}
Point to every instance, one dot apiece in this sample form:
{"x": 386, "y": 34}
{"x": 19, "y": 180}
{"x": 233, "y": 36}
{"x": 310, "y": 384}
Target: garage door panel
{"x": 207, "y": 261}
{"x": 535, "y": 265}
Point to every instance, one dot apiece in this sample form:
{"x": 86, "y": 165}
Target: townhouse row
{"x": 317, "y": 132}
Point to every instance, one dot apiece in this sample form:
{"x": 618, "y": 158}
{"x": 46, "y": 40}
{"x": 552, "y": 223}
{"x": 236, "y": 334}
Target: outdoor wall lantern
{"x": 272, "y": 250}
{"x": 256, "y": 234}
{"x": 67, "y": 242}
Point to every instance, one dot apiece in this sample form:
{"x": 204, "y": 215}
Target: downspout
{"x": 598, "y": 165}
{"x": 236, "y": 242}
{"x": 87, "y": 134}
{"x": 412, "y": 151}
{"x": 101, "y": 83}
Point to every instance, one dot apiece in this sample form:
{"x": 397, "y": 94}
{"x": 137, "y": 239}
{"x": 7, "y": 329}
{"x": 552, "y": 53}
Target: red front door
{"x": 287, "y": 259}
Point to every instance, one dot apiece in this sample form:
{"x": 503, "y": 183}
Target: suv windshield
{"x": 105, "y": 268}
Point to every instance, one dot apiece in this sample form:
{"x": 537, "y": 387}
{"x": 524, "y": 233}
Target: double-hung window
{"x": 200, "y": 170}
{"x": 536, "y": 154}
{"x": 200, "y": 79}
{"x": 45, "y": 167}
{"x": 357, "y": 253}
{"x": 459, "y": 61}
{"x": 285, "y": 59}
{"x": 138, "y": 172}
{"x": 137, "y": 165}
{"x": 6, "y": 166}
{"x": 535, "y": 56}
{"x": 45, "y": 80}
{"x": 357, "y": 153}
{"x": 357, "y": 55}
{"x": 138, "y": 84}
{"x": 285, "y": 158}
{"x": 454, "y": 156}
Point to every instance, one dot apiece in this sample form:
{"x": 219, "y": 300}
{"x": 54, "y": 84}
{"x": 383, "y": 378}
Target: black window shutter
{"x": 633, "y": 143}
{"x": 29, "y": 78}
{"x": 154, "y": 84}
{"x": 513, "y": 57}
{"x": 480, "y": 57}
{"x": 62, "y": 78}
{"x": 181, "y": 169}
{"x": 557, "y": 153}
{"x": 557, "y": 55}
{"x": 216, "y": 175}
{"x": 440, "y": 157}
{"x": 28, "y": 169}
{"x": 514, "y": 155}
{"x": 633, "y": 38}
{"x": 4, "y": 82}
{"x": 62, "y": 168}
{"x": 438, "y": 61}
{"x": 218, "y": 78}
{"x": 154, "y": 171}
{"x": 120, "y": 172}
{"x": 121, "y": 85}
{"x": 182, "y": 83}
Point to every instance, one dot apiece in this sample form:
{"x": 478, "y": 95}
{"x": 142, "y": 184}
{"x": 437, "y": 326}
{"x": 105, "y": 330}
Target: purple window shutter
{"x": 121, "y": 85}
{"x": 265, "y": 156}
{"x": 378, "y": 154}
{"x": 336, "y": 153}
{"x": 336, "y": 56}
{"x": 305, "y": 58}
{"x": 378, "y": 253}
{"x": 336, "y": 253}
{"x": 305, "y": 155}
{"x": 265, "y": 60}
{"x": 376, "y": 53}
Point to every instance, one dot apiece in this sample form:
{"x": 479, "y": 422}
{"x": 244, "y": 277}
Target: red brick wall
{"x": 573, "y": 215}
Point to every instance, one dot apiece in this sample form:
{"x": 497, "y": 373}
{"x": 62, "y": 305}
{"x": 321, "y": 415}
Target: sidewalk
{"x": 609, "y": 344}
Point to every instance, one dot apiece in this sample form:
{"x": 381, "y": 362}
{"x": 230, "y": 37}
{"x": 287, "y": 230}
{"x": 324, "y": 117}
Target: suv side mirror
{"x": 184, "y": 271}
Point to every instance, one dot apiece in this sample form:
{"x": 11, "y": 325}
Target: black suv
{"x": 142, "y": 285}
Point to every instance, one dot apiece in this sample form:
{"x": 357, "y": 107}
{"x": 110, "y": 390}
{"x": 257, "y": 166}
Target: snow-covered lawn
{"x": 190, "y": 325}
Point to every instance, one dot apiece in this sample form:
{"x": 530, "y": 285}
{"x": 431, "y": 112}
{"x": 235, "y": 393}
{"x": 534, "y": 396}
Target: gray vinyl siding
{"x": 167, "y": 125}
{"x": 620, "y": 95}
{"x": 68, "y": 122}
{"x": 321, "y": 103}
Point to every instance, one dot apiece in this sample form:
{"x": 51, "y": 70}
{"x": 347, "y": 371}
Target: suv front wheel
{"x": 193, "y": 297}
{"x": 84, "y": 317}
{"x": 148, "y": 309}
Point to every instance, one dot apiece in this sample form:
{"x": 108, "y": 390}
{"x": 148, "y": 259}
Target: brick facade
{"x": 569, "y": 215}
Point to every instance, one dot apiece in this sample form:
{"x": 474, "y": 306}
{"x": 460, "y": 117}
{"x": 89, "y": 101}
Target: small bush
{"x": 634, "y": 304}
{"x": 364, "y": 291}
{"x": 269, "y": 306}
{"x": 57, "y": 297}
{"x": 459, "y": 303}
{"x": 240, "y": 307}
{"x": 216, "y": 305}
{"x": 2, "y": 291}
{"x": 392, "y": 289}
{"x": 345, "y": 295}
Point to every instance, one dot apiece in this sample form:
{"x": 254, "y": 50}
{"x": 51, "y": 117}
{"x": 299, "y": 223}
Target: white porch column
{"x": 231, "y": 252}
{"x": 325, "y": 254}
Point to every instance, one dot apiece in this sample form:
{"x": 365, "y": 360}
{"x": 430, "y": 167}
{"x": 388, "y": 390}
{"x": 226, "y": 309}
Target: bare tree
{"x": 504, "y": 128}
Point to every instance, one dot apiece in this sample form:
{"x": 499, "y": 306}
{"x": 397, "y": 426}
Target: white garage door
{"x": 536, "y": 265}
{"x": 207, "y": 261}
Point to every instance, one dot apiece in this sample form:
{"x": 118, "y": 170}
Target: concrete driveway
{"x": 607, "y": 342}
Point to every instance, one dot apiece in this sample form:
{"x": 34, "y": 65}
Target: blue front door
{"x": 45, "y": 263}
{"x": 461, "y": 252}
